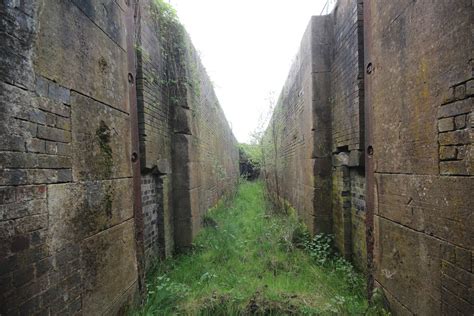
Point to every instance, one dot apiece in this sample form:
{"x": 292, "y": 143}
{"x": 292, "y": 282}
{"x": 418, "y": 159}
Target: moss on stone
{"x": 105, "y": 159}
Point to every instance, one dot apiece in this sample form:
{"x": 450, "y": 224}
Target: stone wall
{"x": 205, "y": 152}
{"x": 186, "y": 143}
{"x": 403, "y": 211}
{"x": 77, "y": 230}
{"x": 297, "y": 141}
{"x": 313, "y": 145}
{"x": 67, "y": 224}
{"x": 156, "y": 133}
{"x": 420, "y": 90}
{"x": 347, "y": 117}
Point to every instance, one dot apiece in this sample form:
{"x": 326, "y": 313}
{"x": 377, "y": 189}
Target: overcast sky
{"x": 247, "y": 47}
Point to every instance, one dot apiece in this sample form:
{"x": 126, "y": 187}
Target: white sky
{"x": 247, "y": 47}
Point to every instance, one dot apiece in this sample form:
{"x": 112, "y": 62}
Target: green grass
{"x": 246, "y": 262}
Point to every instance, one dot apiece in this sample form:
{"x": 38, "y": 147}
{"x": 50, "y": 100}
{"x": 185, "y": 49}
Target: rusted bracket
{"x": 369, "y": 156}
{"x": 130, "y": 18}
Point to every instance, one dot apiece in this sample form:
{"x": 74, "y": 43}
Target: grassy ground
{"x": 250, "y": 261}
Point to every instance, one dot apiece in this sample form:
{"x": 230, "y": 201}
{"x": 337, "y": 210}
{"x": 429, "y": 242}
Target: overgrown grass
{"x": 249, "y": 260}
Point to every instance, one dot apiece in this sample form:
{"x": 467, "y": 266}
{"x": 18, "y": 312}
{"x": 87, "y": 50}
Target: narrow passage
{"x": 251, "y": 260}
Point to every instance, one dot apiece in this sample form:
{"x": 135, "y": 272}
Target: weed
{"x": 320, "y": 248}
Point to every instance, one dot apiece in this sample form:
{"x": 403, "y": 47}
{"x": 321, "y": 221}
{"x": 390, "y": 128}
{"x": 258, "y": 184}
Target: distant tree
{"x": 250, "y": 160}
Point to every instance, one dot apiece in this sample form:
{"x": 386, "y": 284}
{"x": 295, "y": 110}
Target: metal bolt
{"x": 370, "y": 150}
{"x": 370, "y": 68}
{"x": 134, "y": 156}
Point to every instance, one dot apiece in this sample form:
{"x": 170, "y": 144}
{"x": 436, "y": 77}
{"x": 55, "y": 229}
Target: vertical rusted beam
{"x": 130, "y": 18}
{"x": 369, "y": 157}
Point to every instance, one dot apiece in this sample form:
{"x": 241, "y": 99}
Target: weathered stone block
{"x": 182, "y": 146}
{"x": 28, "y": 128}
{"x": 77, "y": 211}
{"x": 108, "y": 15}
{"x": 454, "y": 168}
{"x": 460, "y": 121}
{"x": 64, "y": 175}
{"x": 54, "y": 134}
{"x": 19, "y": 243}
{"x": 17, "y": 37}
{"x": 448, "y": 252}
{"x": 31, "y": 192}
{"x": 42, "y": 86}
{"x": 23, "y": 275}
{"x": 110, "y": 268}
{"x": 38, "y": 237}
{"x": 8, "y": 264}
{"x": 58, "y": 93}
{"x": 419, "y": 202}
{"x": 470, "y": 88}
{"x": 100, "y": 140}
{"x": 31, "y": 306}
{"x": 55, "y": 107}
{"x": 183, "y": 234}
{"x": 456, "y": 108}
{"x": 37, "y": 116}
{"x": 460, "y": 92}
{"x": 446, "y": 124}
{"x": 457, "y": 273}
{"x": 36, "y": 145}
{"x": 340, "y": 159}
{"x": 61, "y": 149}
{"x": 21, "y": 209}
{"x": 53, "y": 162}
{"x": 12, "y": 177}
{"x": 463, "y": 152}
{"x": 43, "y": 266}
{"x": 183, "y": 121}
{"x": 458, "y": 289}
{"x": 447, "y": 152}
{"x": 356, "y": 158}
{"x": 77, "y": 54}
{"x": 31, "y": 223}
{"x": 62, "y": 123}
{"x": 460, "y": 137}
{"x": 7, "y": 195}
{"x": 463, "y": 259}
{"x": 463, "y": 307}
{"x": 163, "y": 166}
{"x": 320, "y": 33}
{"x": 50, "y": 119}
{"x": 13, "y": 143}
{"x": 400, "y": 252}
{"x": 448, "y": 95}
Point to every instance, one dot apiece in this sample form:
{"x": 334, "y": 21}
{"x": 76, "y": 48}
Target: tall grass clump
{"x": 252, "y": 260}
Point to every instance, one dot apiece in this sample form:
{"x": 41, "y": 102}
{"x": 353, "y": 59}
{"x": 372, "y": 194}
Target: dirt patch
{"x": 259, "y": 305}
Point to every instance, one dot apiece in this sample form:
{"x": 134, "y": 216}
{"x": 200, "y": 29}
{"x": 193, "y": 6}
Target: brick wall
{"x": 188, "y": 152}
{"x": 297, "y": 141}
{"x": 315, "y": 139}
{"x": 205, "y": 149}
{"x": 155, "y": 133}
{"x": 158, "y": 221}
{"x": 422, "y": 103}
{"x": 66, "y": 213}
{"x": 69, "y": 224}
{"x": 347, "y": 119}
{"x": 420, "y": 169}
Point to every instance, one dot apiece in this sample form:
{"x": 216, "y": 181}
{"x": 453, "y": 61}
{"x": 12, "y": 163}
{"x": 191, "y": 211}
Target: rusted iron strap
{"x": 369, "y": 156}
{"x": 131, "y": 15}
